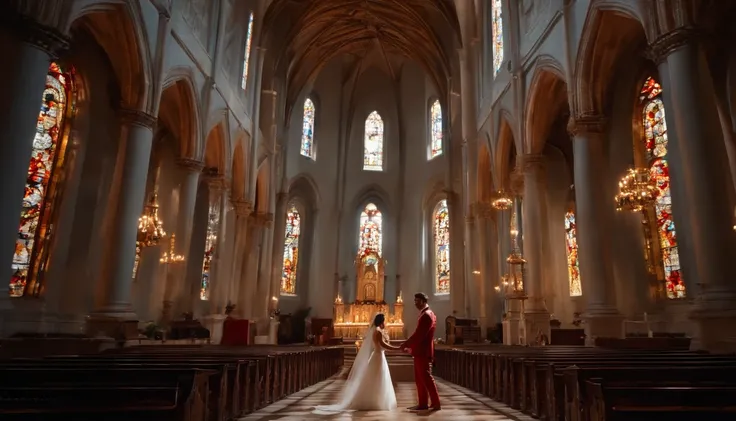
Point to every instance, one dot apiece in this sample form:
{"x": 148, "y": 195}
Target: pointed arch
{"x": 215, "y": 153}
{"x": 547, "y": 98}
{"x": 238, "y": 173}
{"x": 505, "y": 153}
{"x": 485, "y": 173}
{"x": 179, "y": 111}
{"x": 373, "y": 153}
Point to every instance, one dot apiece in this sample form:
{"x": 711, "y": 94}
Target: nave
{"x": 458, "y": 404}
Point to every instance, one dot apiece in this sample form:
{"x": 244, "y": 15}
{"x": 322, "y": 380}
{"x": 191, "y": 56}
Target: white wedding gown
{"x": 368, "y": 387}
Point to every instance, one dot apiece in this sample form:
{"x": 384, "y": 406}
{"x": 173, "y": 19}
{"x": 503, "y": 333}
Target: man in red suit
{"x": 421, "y": 346}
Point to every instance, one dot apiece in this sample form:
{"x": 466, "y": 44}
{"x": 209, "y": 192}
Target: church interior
{"x": 216, "y": 200}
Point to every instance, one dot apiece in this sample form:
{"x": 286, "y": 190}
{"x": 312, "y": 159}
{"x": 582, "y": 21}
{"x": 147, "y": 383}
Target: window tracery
{"x": 435, "y": 121}
{"x": 246, "y": 56}
{"x": 42, "y": 185}
{"x": 656, "y": 143}
{"x": 291, "y": 251}
{"x": 441, "y": 230}
{"x": 373, "y": 143}
{"x": 307, "y": 147}
{"x": 370, "y": 237}
{"x": 573, "y": 264}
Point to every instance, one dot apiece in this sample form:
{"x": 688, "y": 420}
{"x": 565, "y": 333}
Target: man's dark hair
{"x": 422, "y": 296}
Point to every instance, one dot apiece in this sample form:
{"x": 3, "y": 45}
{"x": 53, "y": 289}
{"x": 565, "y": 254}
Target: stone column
{"x": 28, "y": 47}
{"x": 698, "y": 167}
{"x": 219, "y": 275}
{"x": 488, "y": 266}
{"x": 594, "y": 214}
{"x": 114, "y": 314}
{"x": 176, "y": 287}
{"x": 277, "y": 248}
{"x": 243, "y": 209}
{"x": 264, "y": 267}
{"x": 249, "y": 290}
{"x": 534, "y": 210}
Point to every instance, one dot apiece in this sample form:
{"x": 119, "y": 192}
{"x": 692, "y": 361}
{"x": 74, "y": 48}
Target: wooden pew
{"x": 101, "y": 393}
{"x": 632, "y": 401}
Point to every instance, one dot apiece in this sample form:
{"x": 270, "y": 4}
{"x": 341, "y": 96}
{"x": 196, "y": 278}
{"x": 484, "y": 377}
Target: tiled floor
{"x": 458, "y": 404}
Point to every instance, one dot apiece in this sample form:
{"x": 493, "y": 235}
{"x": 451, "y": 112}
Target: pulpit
{"x": 352, "y": 319}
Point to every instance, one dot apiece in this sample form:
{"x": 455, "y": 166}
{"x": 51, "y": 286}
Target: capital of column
{"x": 190, "y": 165}
{"x": 530, "y": 162}
{"x": 137, "y": 118}
{"x": 242, "y": 207}
{"x": 669, "y": 42}
{"x": 262, "y": 219}
{"x": 516, "y": 181}
{"x": 46, "y": 38}
{"x": 586, "y": 124}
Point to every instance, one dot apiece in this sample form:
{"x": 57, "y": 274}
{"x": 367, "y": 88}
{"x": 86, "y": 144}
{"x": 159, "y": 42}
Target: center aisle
{"x": 458, "y": 404}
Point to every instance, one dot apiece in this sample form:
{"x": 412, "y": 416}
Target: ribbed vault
{"x": 306, "y": 34}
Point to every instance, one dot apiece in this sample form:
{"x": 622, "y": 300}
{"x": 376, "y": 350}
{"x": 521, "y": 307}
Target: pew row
{"x": 538, "y": 382}
{"x": 233, "y": 381}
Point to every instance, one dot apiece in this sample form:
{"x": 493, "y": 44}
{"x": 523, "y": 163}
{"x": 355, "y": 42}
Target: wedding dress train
{"x": 369, "y": 386}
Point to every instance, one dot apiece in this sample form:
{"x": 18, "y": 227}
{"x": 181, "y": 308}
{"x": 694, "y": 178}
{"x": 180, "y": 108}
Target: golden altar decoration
{"x": 352, "y": 319}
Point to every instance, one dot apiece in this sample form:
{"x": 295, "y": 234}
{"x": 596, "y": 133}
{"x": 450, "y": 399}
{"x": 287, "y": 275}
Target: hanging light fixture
{"x": 171, "y": 256}
{"x": 502, "y": 201}
{"x": 150, "y": 230}
{"x": 636, "y": 190}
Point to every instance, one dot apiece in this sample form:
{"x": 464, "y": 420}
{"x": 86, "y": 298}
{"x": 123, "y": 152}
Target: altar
{"x": 353, "y": 319}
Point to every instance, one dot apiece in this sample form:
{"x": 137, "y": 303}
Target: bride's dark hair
{"x": 379, "y": 319}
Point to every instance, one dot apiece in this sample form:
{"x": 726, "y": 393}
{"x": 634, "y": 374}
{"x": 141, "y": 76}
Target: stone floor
{"x": 458, "y": 404}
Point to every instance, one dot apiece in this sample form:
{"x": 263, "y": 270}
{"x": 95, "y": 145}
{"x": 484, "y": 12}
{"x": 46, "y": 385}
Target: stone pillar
{"x": 176, "y": 291}
{"x": 114, "y": 314}
{"x": 594, "y": 217}
{"x": 277, "y": 248}
{"x": 264, "y": 267}
{"x": 249, "y": 289}
{"x": 243, "y": 209}
{"x": 534, "y": 211}
{"x": 219, "y": 276}
{"x": 698, "y": 167}
{"x": 28, "y": 48}
{"x": 487, "y": 265}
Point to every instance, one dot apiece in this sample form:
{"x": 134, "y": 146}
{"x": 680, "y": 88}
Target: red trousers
{"x": 426, "y": 387}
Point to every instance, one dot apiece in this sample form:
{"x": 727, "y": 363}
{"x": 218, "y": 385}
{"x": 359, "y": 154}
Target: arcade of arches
{"x": 196, "y": 159}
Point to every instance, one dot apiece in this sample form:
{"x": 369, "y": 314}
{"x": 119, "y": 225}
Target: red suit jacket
{"x": 421, "y": 342}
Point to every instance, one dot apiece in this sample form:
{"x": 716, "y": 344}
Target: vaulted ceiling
{"x": 306, "y": 34}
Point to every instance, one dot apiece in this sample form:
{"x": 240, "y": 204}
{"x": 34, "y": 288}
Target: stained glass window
{"x": 442, "y": 248}
{"x": 435, "y": 116}
{"x": 370, "y": 237}
{"x": 308, "y": 129}
{"x": 573, "y": 264}
{"x": 291, "y": 251}
{"x": 655, "y": 142}
{"x": 373, "y": 143}
{"x": 49, "y": 144}
{"x": 210, "y": 244}
{"x": 246, "y": 57}
{"x": 497, "y": 34}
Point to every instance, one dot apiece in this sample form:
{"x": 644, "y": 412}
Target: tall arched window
{"x": 497, "y": 34}
{"x": 373, "y": 143}
{"x": 246, "y": 56}
{"x": 36, "y": 217}
{"x": 213, "y": 221}
{"x": 307, "y": 148}
{"x": 655, "y": 144}
{"x": 435, "y": 127}
{"x": 370, "y": 237}
{"x": 573, "y": 264}
{"x": 441, "y": 219}
{"x": 291, "y": 251}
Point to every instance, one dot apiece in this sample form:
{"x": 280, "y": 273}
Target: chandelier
{"x": 150, "y": 228}
{"x": 636, "y": 190}
{"x": 171, "y": 256}
{"x": 502, "y": 201}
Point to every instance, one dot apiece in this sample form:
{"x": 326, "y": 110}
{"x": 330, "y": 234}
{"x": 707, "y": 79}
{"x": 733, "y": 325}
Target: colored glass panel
{"x": 210, "y": 245}
{"x": 573, "y": 264}
{"x": 497, "y": 34}
{"x": 371, "y": 231}
{"x": 47, "y": 157}
{"x": 373, "y": 143}
{"x": 442, "y": 248}
{"x": 307, "y": 148}
{"x": 656, "y": 142}
{"x": 435, "y": 116}
{"x": 246, "y": 57}
{"x": 291, "y": 251}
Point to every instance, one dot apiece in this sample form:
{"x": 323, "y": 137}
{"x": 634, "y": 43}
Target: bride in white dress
{"x": 369, "y": 387}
